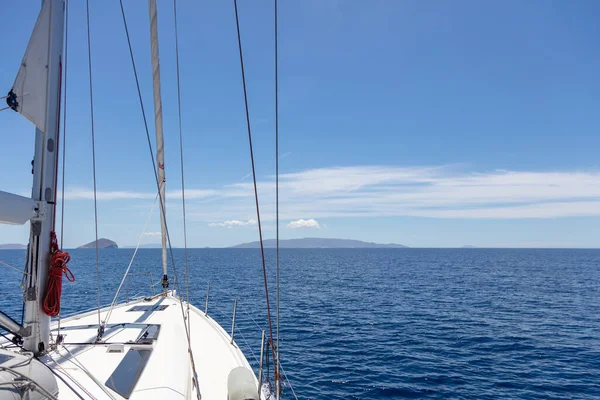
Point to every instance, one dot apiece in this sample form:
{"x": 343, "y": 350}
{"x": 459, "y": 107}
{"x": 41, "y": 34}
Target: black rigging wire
{"x": 64, "y": 136}
{"x": 161, "y": 200}
{"x": 162, "y": 204}
{"x": 276, "y": 366}
{"x": 87, "y": 5}
{"x": 64, "y": 140}
{"x": 185, "y": 253}
{"x": 262, "y": 249}
{"x": 139, "y": 91}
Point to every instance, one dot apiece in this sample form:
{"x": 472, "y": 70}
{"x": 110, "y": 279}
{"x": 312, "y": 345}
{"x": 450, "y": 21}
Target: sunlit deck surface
{"x": 143, "y": 354}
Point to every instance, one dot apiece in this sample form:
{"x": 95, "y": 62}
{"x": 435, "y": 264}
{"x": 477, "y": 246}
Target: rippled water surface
{"x": 389, "y": 323}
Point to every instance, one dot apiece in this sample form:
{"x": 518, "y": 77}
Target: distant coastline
{"x": 146, "y": 246}
{"x": 319, "y": 243}
{"x": 305, "y": 243}
{"x": 13, "y": 246}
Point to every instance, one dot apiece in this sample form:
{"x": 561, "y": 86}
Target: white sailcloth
{"x": 160, "y": 150}
{"x": 15, "y": 209}
{"x": 30, "y": 89}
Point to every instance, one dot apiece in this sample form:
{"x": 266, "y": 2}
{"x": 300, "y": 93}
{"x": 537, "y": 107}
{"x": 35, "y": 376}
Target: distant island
{"x": 102, "y": 244}
{"x": 12, "y": 246}
{"x": 319, "y": 243}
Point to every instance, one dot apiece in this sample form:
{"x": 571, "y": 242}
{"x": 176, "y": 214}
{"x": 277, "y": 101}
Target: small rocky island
{"x": 102, "y": 244}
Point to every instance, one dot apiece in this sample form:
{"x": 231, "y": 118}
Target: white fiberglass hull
{"x": 144, "y": 354}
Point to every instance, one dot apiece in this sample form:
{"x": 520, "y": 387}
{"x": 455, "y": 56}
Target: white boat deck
{"x": 143, "y": 354}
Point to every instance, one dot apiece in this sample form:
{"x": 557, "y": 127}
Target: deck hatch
{"x": 146, "y": 308}
{"x": 148, "y": 335}
{"x": 128, "y": 372}
{"x": 4, "y": 358}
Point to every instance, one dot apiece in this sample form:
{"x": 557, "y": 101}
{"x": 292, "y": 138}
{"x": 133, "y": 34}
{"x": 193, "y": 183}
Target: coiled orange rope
{"x": 58, "y": 267}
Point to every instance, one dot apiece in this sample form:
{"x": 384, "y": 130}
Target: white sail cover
{"x": 30, "y": 89}
{"x": 15, "y": 209}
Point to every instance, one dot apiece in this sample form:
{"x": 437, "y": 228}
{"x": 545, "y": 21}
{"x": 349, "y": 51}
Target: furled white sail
{"x": 30, "y": 90}
{"x": 160, "y": 151}
{"x": 15, "y": 209}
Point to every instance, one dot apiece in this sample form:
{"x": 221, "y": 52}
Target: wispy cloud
{"x": 304, "y": 223}
{"x": 88, "y": 194}
{"x": 384, "y": 191}
{"x": 433, "y": 192}
{"x": 234, "y": 223}
{"x": 152, "y": 234}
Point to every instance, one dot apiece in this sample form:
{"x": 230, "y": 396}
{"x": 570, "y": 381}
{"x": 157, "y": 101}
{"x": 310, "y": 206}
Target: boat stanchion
{"x": 207, "y": 291}
{"x": 233, "y": 320}
{"x": 152, "y": 284}
{"x": 260, "y": 363}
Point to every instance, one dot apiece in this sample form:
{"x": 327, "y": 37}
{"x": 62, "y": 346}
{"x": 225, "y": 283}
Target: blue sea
{"x": 388, "y": 323}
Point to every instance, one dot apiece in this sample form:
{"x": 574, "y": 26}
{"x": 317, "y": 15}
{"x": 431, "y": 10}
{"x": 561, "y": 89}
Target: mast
{"x": 44, "y": 172}
{"x": 160, "y": 151}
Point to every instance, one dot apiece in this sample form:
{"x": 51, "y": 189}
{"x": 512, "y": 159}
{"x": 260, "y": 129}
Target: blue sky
{"x": 428, "y": 124}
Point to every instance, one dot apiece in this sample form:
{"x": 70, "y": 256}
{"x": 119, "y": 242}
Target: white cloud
{"x": 434, "y": 192}
{"x": 304, "y": 223}
{"x": 88, "y": 194}
{"x": 385, "y": 191}
{"x": 233, "y": 223}
{"x": 152, "y": 234}
{"x": 192, "y": 194}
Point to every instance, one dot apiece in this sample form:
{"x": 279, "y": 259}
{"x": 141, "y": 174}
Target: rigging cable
{"x": 87, "y": 5}
{"x": 276, "y": 367}
{"x": 13, "y": 267}
{"x": 139, "y": 91}
{"x": 25, "y": 383}
{"x": 289, "y": 383}
{"x": 80, "y": 365}
{"x": 64, "y": 136}
{"x": 64, "y": 141}
{"x": 114, "y": 302}
{"x": 262, "y": 248}
{"x": 185, "y": 253}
